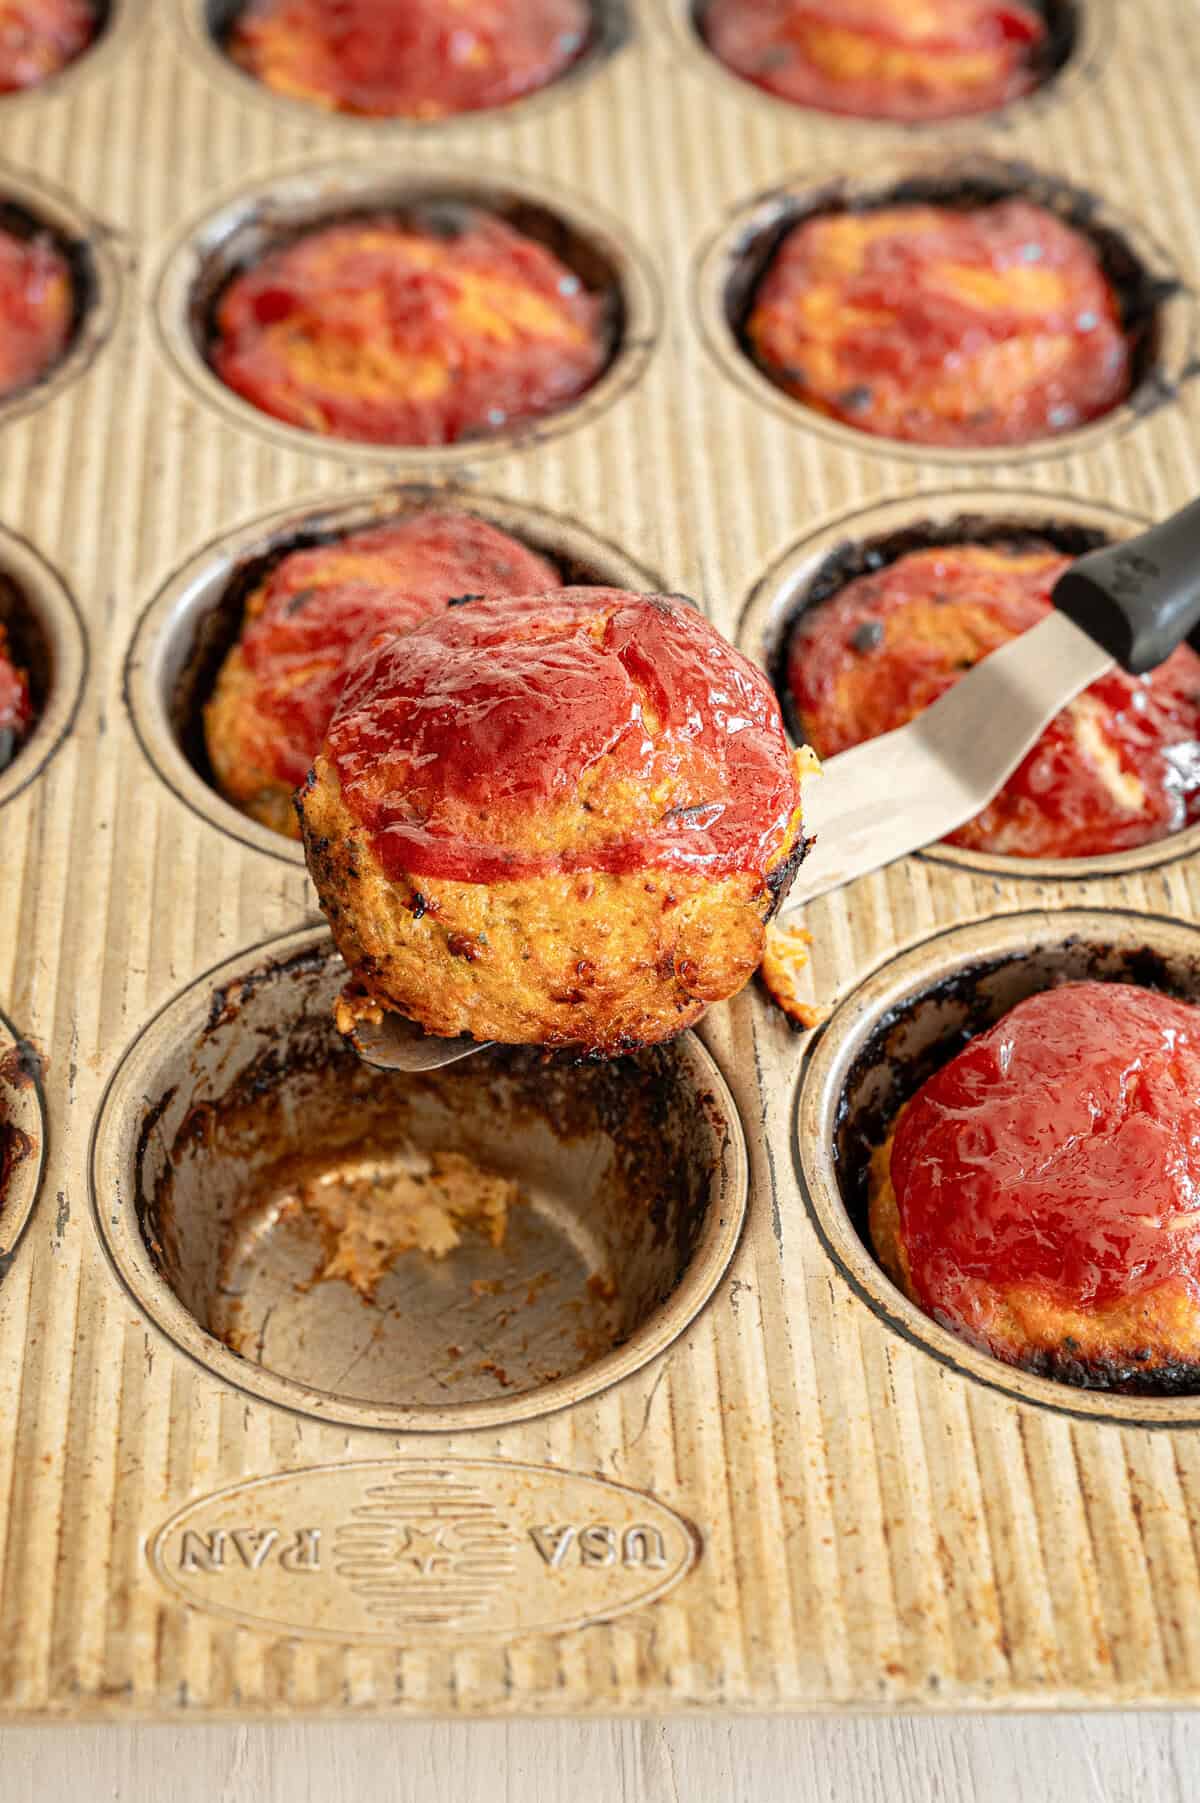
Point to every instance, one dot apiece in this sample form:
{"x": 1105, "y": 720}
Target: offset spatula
{"x": 1130, "y": 604}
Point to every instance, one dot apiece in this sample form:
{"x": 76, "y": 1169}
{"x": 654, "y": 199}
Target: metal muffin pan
{"x": 758, "y": 1482}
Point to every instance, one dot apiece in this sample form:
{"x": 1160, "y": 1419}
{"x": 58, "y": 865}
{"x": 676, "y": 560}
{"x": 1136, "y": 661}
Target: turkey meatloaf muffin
{"x": 37, "y": 309}
{"x": 1038, "y": 1194}
{"x": 446, "y": 323}
{"x": 279, "y": 684}
{"x": 555, "y": 819}
{"x": 1119, "y": 767}
{"x": 986, "y": 325}
{"x": 39, "y": 38}
{"x": 882, "y": 59}
{"x": 408, "y": 59}
{"x": 16, "y": 705}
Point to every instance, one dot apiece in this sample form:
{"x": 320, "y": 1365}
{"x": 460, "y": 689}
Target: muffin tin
{"x": 700, "y": 1456}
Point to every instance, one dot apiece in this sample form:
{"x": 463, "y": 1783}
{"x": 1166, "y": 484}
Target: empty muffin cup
{"x": 904, "y": 1023}
{"x": 481, "y": 1244}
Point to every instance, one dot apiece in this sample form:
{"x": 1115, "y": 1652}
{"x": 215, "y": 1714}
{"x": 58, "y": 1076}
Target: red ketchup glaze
{"x": 454, "y": 741}
{"x": 992, "y": 325}
{"x": 394, "y": 576}
{"x": 36, "y": 306}
{"x": 40, "y": 37}
{"x": 420, "y": 59}
{"x": 881, "y": 59}
{"x": 16, "y": 706}
{"x": 1060, "y": 1150}
{"x": 450, "y": 325}
{"x": 888, "y": 644}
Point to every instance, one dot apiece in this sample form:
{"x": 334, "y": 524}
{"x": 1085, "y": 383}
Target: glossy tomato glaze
{"x": 452, "y": 742}
{"x": 417, "y": 59}
{"x": 881, "y": 59}
{"x": 988, "y": 326}
{"x": 36, "y": 309}
{"x": 40, "y": 37}
{"x": 1059, "y": 1150}
{"x": 317, "y": 604}
{"x": 16, "y": 706}
{"x": 449, "y": 325}
{"x": 1120, "y": 767}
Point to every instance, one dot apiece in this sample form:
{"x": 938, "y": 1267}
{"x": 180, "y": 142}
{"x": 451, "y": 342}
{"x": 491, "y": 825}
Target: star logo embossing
{"x": 427, "y": 1549}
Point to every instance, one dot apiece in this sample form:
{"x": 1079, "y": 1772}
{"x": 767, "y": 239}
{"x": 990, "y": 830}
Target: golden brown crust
{"x": 785, "y": 955}
{"x": 590, "y": 959}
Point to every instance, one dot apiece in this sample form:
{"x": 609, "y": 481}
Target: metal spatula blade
{"x": 397, "y": 1044}
{"x": 889, "y": 796}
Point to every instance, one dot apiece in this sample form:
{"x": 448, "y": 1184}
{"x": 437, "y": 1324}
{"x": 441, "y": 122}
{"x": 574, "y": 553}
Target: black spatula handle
{"x": 1139, "y": 598}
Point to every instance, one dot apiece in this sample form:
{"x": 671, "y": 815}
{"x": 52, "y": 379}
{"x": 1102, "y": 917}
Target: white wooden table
{"x": 1071, "y": 1759}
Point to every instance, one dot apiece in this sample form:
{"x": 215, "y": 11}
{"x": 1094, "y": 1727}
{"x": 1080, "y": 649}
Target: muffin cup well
{"x": 185, "y": 633}
{"x": 257, "y": 220}
{"x": 903, "y": 1023}
{"x": 46, "y": 638}
{"x": 632, "y": 1179}
{"x": 815, "y": 568}
{"x": 1158, "y": 311}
